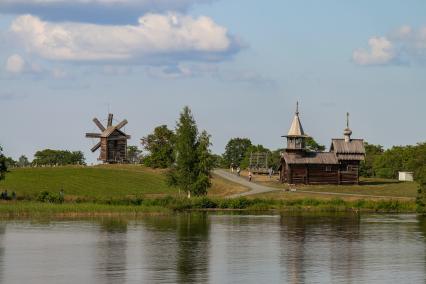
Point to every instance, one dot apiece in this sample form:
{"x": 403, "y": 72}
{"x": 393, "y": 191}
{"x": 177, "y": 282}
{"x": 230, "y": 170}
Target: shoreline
{"x": 171, "y": 205}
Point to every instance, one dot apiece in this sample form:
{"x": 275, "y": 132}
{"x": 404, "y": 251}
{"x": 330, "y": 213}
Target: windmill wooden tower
{"x": 113, "y": 141}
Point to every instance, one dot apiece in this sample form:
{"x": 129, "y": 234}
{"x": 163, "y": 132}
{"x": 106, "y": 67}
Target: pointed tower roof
{"x": 296, "y": 129}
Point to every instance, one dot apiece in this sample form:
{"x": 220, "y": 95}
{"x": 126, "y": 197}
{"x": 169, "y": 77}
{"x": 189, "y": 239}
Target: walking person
{"x": 238, "y": 171}
{"x": 270, "y": 172}
{"x": 250, "y": 175}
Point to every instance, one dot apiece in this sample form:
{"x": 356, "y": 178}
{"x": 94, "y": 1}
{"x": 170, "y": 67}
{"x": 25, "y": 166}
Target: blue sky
{"x": 240, "y": 65}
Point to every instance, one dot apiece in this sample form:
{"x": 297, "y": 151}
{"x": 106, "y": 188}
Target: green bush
{"x": 385, "y": 173}
{"x": 205, "y": 202}
{"x": 421, "y": 193}
{"x": 48, "y": 197}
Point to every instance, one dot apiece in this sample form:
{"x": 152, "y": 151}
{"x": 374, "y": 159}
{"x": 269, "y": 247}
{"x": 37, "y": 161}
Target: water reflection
{"x": 305, "y": 243}
{"x": 213, "y": 248}
{"x": 181, "y": 247}
{"x": 422, "y": 230}
{"x": 111, "y": 251}
{"x": 193, "y": 242}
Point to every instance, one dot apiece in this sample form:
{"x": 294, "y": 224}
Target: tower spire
{"x": 347, "y": 120}
{"x": 347, "y": 132}
{"x": 297, "y": 108}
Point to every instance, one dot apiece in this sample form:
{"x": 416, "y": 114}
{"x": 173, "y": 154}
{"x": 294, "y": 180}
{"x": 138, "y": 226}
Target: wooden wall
{"x": 114, "y": 149}
{"x": 320, "y": 174}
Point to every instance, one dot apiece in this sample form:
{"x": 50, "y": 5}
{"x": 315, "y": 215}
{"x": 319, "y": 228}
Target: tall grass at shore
{"x": 169, "y": 204}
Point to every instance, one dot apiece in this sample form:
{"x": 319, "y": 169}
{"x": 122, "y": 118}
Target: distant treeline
{"x": 48, "y": 157}
{"x": 387, "y": 163}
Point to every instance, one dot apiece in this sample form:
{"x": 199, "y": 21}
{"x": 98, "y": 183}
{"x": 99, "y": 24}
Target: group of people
{"x": 250, "y": 174}
{"x": 5, "y": 196}
{"x": 238, "y": 171}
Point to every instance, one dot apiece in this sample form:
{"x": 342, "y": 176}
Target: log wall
{"x": 320, "y": 174}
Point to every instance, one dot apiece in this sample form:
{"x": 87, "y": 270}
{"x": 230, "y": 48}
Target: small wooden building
{"x": 113, "y": 141}
{"x": 338, "y": 166}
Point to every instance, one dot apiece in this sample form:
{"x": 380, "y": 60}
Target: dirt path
{"x": 254, "y": 187}
{"x": 257, "y": 188}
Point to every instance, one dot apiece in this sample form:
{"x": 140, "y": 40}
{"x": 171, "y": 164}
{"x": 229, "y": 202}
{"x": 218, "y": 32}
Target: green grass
{"x": 33, "y": 209}
{"x": 134, "y": 189}
{"x": 88, "y": 182}
{"x": 167, "y": 205}
{"x": 368, "y": 186}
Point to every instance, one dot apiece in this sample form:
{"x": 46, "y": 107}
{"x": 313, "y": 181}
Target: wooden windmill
{"x": 113, "y": 141}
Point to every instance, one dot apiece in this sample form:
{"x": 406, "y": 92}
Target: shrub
{"x": 205, "y": 203}
{"x": 421, "y": 193}
{"x": 48, "y": 197}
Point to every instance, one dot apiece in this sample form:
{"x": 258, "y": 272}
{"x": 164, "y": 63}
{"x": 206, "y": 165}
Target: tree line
{"x": 48, "y": 157}
{"x": 186, "y": 153}
{"x": 387, "y": 163}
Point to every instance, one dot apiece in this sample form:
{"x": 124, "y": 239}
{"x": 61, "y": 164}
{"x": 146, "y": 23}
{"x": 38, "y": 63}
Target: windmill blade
{"x": 96, "y": 147}
{"x": 110, "y": 116}
{"x": 99, "y": 124}
{"x": 93, "y": 135}
{"x": 121, "y": 124}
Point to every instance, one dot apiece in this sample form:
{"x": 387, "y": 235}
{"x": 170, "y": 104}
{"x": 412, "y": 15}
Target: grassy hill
{"x": 104, "y": 181}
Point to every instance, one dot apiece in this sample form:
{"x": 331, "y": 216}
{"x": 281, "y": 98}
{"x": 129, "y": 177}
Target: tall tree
{"x": 159, "y": 145}
{"x": 3, "y": 165}
{"x": 312, "y": 145}
{"x": 371, "y": 154}
{"x": 191, "y": 171}
{"x": 23, "y": 161}
{"x": 421, "y": 194}
{"x": 235, "y": 151}
{"x": 133, "y": 154}
{"x": 275, "y": 159}
{"x": 205, "y": 164}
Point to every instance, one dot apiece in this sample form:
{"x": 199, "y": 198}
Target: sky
{"x": 240, "y": 65}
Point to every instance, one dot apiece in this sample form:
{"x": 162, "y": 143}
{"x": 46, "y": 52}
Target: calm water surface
{"x": 214, "y": 248}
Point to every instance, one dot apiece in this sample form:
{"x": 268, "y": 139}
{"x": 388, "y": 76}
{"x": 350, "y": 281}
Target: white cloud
{"x": 381, "y": 52}
{"x": 15, "y": 64}
{"x": 159, "y": 35}
{"x": 404, "y": 45}
{"x": 94, "y": 11}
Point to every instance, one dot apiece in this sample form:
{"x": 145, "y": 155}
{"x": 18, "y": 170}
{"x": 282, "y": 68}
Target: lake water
{"x": 216, "y": 248}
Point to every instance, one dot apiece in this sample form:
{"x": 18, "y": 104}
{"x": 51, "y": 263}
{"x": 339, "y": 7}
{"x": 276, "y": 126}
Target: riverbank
{"x": 112, "y": 190}
{"x": 169, "y": 204}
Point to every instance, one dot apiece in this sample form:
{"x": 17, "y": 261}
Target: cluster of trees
{"x": 387, "y": 163}
{"x": 421, "y": 196}
{"x": 58, "y": 157}
{"x": 160, "y": 147}
{"x": 134, "y": 155}
{"x": 46, "y": 157}
{"x": 3, "y": 165}
{"x": 185, "y": 152}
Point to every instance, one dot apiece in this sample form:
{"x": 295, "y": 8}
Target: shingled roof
{"x": 324, "y": 158}
{"x": 354, "y": 146}
{"x": 296, "y": 129}
{"x": 110, "y": 130}
{"x": 352, "y": 150}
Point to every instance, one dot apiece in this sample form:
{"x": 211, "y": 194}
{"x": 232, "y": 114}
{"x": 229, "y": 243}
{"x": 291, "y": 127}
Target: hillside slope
{"x": 103, "y": 181}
